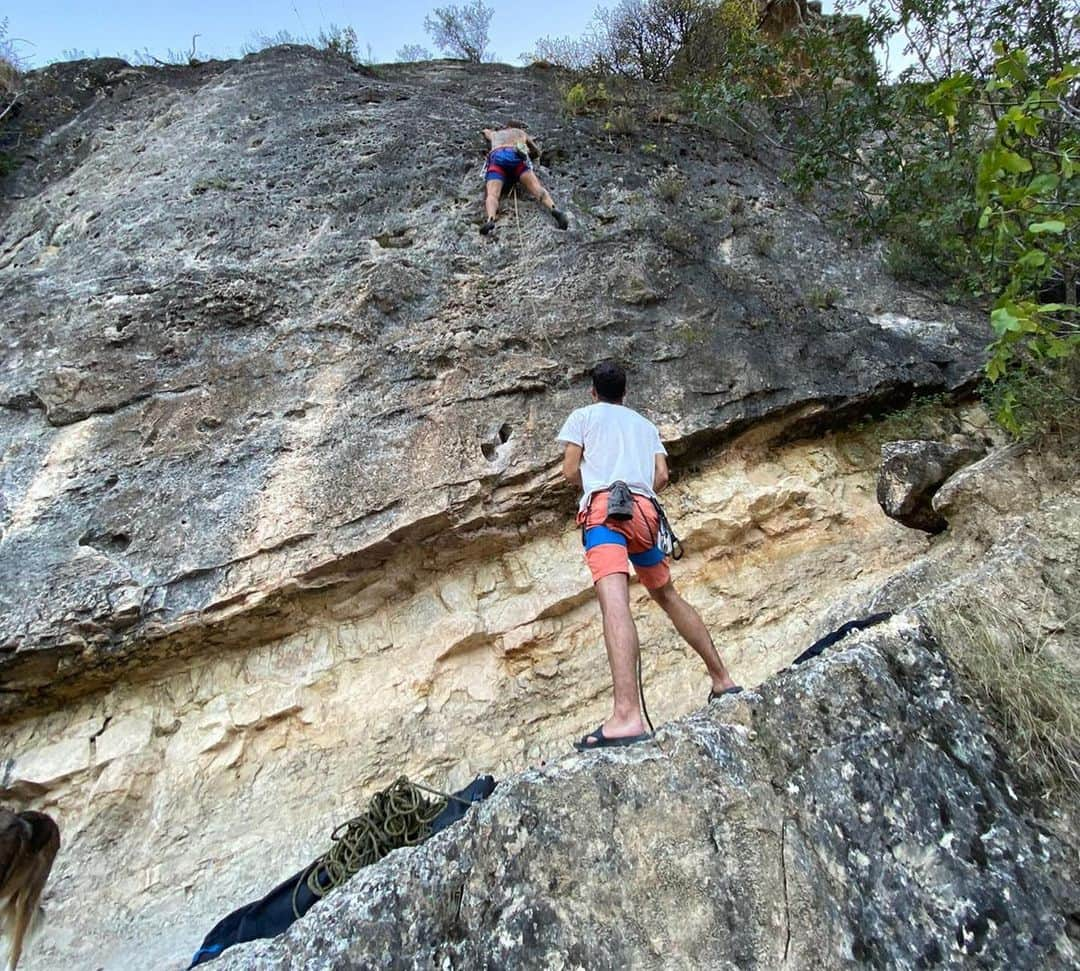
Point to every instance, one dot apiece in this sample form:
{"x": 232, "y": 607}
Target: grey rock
{"x": 850, "y": 813}
{"x": 253, "y": 342}
{"x": 912, "y": 472}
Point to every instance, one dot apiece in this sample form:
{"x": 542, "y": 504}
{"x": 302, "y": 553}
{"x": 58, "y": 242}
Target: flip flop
{"x": 602, "y": 741}
{"x": 716, "y": 695}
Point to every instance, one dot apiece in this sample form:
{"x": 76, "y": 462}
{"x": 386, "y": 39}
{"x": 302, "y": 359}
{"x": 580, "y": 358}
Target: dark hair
{"x": 514, "y": 123}
{"x": 609, "y": 381}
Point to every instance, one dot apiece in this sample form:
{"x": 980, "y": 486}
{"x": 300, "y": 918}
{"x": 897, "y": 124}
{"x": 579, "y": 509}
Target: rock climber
{"x": 610, "y": 447}
{"x": 510, "y": 161}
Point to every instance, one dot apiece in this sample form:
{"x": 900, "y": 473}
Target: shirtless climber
{"x": 509, "y": 161}
{"x": 610, "y": 449}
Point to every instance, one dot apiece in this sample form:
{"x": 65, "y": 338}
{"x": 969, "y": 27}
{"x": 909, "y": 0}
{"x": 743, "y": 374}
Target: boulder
{"x": 849, "y": 813}
{"x": 912, "y": 472}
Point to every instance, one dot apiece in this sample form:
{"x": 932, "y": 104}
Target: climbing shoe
{"x": 488, "y": 227}
{"x": 560, "y": 218}
{"x": 620, "y": 501}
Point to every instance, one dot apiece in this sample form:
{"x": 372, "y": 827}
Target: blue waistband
{"x": 599, "y": 535}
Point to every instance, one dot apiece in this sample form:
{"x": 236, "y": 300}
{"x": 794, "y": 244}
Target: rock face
{"x": 911, "y": 473}
{"x": 254, "y": 344}
{"x": 280, "y": 515}
{"x": 851, "y": 813}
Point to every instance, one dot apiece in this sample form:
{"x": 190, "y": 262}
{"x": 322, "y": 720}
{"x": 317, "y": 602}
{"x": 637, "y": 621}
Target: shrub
{"x": 822, "y": 297}
{"x": 411, "y": 53}
{"x": 670, "y": 185}
{"x": 583, "y": 97}
{"x": 621, "y": 121}
{"x": 260, "y": 42}
{"x": 1027, "y": 183}
{"x": 1039, "y": 402}
{"x": 577, "y": 99}
{"x": 652, "y": 40}
{"x": 10, "y": 79}
{"x": 763, "y": 242}
{"x": 340, "y": 40}
{"x": 10, "y": 67}
{"x": 461, "y": 31}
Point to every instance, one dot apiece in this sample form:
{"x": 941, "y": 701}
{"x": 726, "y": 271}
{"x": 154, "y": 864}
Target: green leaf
{"x": 1011, "y": 162}
{"x": 1046, "y": 182}
{"x": 1059, "y": 82}
{"x": 1055, "y": 226}
{"x": 1032, "y": 259}
{"x": 1002, "y": 321}
{"x": 1057, "y": 348}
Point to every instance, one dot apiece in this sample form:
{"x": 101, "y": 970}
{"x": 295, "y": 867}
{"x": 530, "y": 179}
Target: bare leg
{"x": 689, "y": 624}
{"x": 491, "y": 197}
{"x": 621, "y": 641}
{"x": 541, "y": 195}
{"x": 537, "y": 190}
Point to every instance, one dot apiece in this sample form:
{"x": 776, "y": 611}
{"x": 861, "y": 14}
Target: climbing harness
{"x": 669, "y": 543}
{"x": 397, "y": 816}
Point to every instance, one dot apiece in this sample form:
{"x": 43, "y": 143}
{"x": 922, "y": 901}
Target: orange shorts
{"x": 611, "y": 545}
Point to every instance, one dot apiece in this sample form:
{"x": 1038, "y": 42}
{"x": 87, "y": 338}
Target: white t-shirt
{"x": 617, "y": 444}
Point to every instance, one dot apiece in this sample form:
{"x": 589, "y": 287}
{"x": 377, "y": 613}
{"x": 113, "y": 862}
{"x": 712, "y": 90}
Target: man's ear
{"x": 595, "y": 396}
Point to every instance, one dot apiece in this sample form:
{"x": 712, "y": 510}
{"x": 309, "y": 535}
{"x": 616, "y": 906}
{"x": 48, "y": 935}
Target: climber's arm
{"x": 571, "y": 464}
{"x": 660, "y": 472}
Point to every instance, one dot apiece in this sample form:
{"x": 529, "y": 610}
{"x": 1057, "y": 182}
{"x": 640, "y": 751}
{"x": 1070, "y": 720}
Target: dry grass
{"x": 10, "y": 68}
{"x": 1022, "y": 686}
{"x": 670, "y": 186}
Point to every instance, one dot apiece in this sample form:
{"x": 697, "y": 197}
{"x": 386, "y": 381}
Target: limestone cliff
{"x": 280, "y": 509}
{"x": 254, "y": 344}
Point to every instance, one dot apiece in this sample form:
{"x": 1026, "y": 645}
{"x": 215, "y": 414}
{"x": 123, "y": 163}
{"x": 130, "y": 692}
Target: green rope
{"x": 397, "y": 816}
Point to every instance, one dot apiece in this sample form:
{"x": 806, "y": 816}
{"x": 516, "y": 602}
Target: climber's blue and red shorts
{"x": 611, "y": 545}
{"x": 507, "y": 164}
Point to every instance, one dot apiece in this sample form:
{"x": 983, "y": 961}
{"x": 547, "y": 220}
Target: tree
{"x": 411, "y": 53}
{"x": 461, "y": 31}
{"x": 654, "y": 40}
{"x": 10, "y": 65}
{"x": 1027, "y": 182}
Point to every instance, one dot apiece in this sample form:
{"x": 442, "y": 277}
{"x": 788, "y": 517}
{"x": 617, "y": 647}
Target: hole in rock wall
{"x": 106, "y": 542}
{"x": 500, "y": 436}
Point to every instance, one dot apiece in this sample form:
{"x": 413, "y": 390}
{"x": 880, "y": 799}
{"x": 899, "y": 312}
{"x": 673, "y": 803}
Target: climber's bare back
{"x": 507, "y": 138}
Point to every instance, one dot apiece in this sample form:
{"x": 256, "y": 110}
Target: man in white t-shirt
{"x": 606, "y": 443}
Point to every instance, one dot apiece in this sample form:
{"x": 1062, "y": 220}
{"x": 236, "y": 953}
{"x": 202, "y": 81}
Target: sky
{"x": 46, "y": 31}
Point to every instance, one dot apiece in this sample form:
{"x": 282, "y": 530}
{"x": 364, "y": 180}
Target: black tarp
{"x": 272, "y": 914}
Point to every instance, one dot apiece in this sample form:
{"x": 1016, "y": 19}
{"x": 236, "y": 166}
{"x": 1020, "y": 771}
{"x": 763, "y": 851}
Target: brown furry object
{"x": 28, "y": 845}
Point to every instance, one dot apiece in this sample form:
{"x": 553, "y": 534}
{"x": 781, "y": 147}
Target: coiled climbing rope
{"x": 397, "y": 816}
